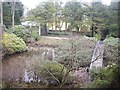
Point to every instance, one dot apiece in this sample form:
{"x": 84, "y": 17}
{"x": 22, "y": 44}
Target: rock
{"x": 49, "y": 55}
{"x": 97, "y": 58}
{"x": 30, "y": 40}
{"x": 53, "y": 82}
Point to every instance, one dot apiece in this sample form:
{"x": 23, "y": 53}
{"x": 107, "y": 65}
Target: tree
{"x": 99, "y": 15}
{"x": 7, "y": 13}
{"x": 43, "y": 13}
{"x": 113, "y": 20}
{"x": 73, "y": 12}
{"x": 58, "y": 15}
{"x": 113, "y": 10}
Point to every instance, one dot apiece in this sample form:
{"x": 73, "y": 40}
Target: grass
{"x": 44, "y": 40}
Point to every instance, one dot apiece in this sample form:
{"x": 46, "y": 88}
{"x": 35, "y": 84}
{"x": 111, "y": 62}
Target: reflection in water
{"x": 18, "y": 67}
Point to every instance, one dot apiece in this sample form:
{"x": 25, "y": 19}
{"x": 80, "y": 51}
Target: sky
{"x": 29, "y": 4}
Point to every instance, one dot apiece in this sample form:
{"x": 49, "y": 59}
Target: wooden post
{"x": 39, "y": 30}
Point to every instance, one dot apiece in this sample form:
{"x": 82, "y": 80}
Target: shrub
{"x": 35, "y": 35}
{"x": 57, "y": 33}
{"x": 97, "y": 36}
{"x": 12, "y": 44}
{"x": 106, "y": 77}
{"x": 0, "y": 85}
{"x": 51, "y": 72}
{"x": 99, "y": 84}
{"x": 72, "y": 53}
{"x": 21, "y": 32}
{"x": 111, "y": 50}
{"x": 113, "y": 30}
{"x": 111, "y": 41}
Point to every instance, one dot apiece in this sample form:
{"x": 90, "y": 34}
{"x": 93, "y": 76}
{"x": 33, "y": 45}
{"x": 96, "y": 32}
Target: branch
{"x": 64, "y": 78}
{"x": 52, "y": 75}
{"x": 93, "y": 60}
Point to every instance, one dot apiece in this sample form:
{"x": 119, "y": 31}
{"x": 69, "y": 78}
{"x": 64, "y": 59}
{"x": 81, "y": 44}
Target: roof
{"x": 29, "y": 23}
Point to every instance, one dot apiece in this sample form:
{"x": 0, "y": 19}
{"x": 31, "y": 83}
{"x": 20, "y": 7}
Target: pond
{"x": 18, "y": 67}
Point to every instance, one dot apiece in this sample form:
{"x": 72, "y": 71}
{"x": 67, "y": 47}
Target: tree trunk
{"x": 65, "y": 25}
{"x": 55, "y": 23}
{"x": 13, "y": 14}
{"x": 1, "y": 54}
{"x": 60, "y": 26}
{"x": 1, "y": 10}
{"x": 45, "y": 29}
{"x": 52, "y": 26}
{"x": 92, "y": 33}
{"x": 77, "y": 29}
